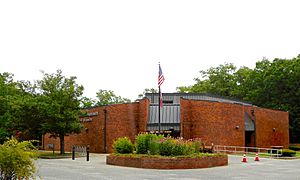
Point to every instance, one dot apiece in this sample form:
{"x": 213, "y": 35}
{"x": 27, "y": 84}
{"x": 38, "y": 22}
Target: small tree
{"x": 60, "y": 97}
{"x": 16, "y": 160}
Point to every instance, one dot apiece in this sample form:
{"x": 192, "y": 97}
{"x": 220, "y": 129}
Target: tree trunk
{"x": 62, "y": 143}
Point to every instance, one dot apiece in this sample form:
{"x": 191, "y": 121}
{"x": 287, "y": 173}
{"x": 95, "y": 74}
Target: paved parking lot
{"x": 96, "y": 168}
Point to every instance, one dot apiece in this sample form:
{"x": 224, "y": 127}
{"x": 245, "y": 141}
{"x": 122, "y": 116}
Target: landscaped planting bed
{"x": 157, "y": 152}
{"x": 151, "y": 162}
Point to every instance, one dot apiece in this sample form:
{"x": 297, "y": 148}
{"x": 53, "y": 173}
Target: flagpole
{"x": 159, "y": 109}
{"x": 161, "y": 79}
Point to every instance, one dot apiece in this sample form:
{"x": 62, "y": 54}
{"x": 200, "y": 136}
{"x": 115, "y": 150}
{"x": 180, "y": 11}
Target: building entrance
{"x": 249, "y": 139}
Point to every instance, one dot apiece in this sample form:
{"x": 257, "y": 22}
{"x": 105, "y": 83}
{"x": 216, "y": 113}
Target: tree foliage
{"x": 147, "y": 90}
{"x": 86, "y": 102}
{"x": 16, "y": 160}
{"x": 9, "y": 93}
{"x": 106, "y": 97}
{"x": 271, "y": 84}
{"x": 60, "y": 97}
{"x": 50, "y": 105}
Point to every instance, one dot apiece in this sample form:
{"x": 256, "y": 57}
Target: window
{"x": 167, "y": 101}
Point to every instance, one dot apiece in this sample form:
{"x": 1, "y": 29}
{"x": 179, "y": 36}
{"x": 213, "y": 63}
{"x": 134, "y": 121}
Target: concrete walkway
{"x": 96, "y": 168}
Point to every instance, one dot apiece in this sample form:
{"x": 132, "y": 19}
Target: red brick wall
{"x": 89, "y": 134}
{"x": 143, "y": 115}
{"x": 121, "y": 120}
{"x": 213, "y": 122}
{"x": 167, "y": 162}
{"x": 266, "y": 120}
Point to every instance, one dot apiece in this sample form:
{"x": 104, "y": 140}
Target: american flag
{"x": 161, "y": 79}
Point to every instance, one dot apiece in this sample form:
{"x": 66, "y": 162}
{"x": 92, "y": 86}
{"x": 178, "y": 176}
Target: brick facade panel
{"x": 266, "y": 120}
{"x": 213, "y": 122}
{"x": 121, "y": 120}
{"x": 216, "y": 122}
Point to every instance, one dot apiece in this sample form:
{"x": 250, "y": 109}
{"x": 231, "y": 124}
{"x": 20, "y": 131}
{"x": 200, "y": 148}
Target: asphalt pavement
{"x": 96, "y": 168}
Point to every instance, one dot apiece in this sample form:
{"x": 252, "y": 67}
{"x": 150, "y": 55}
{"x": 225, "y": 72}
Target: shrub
{"x": 142, "y": 143}
{"x": 295, "y": 148}
{"x": 166, "y": 146}
{"x": 198, "y": 145}
{"x": 182, "y": 147}
{"x": 123, "y": 145}
{"x": 175, "y": 147}
{"x": 179, "y": 148}
{"x": 158, "y": 145}
{"x": 145, "y": 141}
{"x": 288, "y": 153}
{"x": 154, "y": 147}
{"x": 16, "y": 160}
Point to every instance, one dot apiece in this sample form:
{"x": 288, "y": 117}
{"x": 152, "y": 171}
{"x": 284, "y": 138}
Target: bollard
{"x": 88, "y": 153}
{"x": 53, "y": 149}
{"x": 73, "y": 152}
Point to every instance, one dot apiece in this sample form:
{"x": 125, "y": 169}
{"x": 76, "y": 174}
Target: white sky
{"x": 116, "y": 45}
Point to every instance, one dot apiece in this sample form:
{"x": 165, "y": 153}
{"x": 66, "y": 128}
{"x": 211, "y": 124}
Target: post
{"x": 73, "y": 152}
{"x": 88, "y": 153}
{"x": 53, "y": 148}
{"x": 159, "y": 109}
{"x": 254, "y": 119}
{"x": 104, "y": 135}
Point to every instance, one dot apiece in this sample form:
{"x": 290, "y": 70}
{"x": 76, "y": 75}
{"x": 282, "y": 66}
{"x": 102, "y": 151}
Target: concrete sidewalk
{"x": 96, "y": 168}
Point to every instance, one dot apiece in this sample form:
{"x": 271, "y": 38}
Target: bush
{"x": 288, "y": 153}
{"x": 154, "y": 147}
{"x": 144, "y": 141}
{"x": 295, "y": 148}
{"x": 158, "y": 145}
{"x": 181, "y": 148}
{"x": 123, "y": 145}
{"x": 176, "y": 147}
{"x": 16, "y": 160}
{"x": 198, "y": 145}
{"x": 166, "y": 146}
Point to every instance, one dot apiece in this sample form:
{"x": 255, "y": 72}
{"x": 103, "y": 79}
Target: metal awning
{"x": 169, "y": 117}
{"x": 249, "y": 122}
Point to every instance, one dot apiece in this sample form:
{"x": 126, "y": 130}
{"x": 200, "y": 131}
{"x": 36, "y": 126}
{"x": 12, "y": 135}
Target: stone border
{"x": 168, "y": 162}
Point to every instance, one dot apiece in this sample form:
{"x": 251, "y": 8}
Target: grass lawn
{"x": 266, "y": 155}
{"x": 56, "y": 155}
{"x": 298, "y": 154}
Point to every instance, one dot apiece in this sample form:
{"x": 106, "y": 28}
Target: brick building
{"x": 213, "y": 119}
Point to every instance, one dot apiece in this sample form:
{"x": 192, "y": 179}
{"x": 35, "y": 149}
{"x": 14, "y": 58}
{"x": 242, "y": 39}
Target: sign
{"x": 86, "y": 120}
{"x": 90, "y": 114}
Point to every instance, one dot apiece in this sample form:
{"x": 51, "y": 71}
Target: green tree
{"x": 8, "y": 94}
{"x": 27, "y": 112}
{"x": 276, "y": 85}
{"x": 60, "y": 97}
{"x": 106, "y": 97}
{"x": 271, "y": 84}
{"x": 16, "y": 160}
{"x": 216, "y": 80}
{"x": 147, "y": 90}
{"x": 86, "y": 102}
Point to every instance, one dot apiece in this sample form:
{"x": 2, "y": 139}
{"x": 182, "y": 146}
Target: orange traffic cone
{"x": 244, "y": 158}
{"x": 256, "y": 157}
